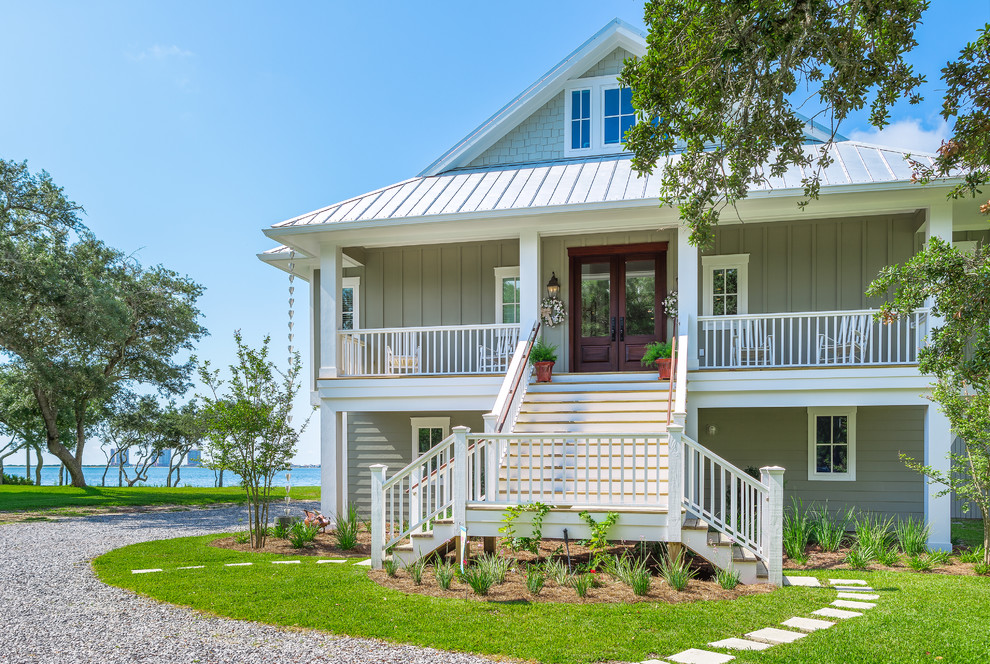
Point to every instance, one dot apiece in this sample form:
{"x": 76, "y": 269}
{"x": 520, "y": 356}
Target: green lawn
{"x": 968, "y": 532}
{"x": 37, "y": 498}
{"x": 918, "y": 618}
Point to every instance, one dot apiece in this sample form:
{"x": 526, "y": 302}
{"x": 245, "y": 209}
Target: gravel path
{"x": 54, "y": 609}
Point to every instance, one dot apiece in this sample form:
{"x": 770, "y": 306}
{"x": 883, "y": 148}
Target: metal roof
{"x": 568, "y": 182}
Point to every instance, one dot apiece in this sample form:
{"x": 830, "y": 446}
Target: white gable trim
{"x": 617, "y": 34}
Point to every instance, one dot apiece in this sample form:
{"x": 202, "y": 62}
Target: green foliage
{"x": 535, "y": 580}
{"x": 495, "y": 566}
{"x": 829, "y": 530}
{"x": 625, "y": 568}
{"x": 889, "y": 557}
{"x": 281, "y": 530}
{"x": 542, "y": 352}
{"x": 972, "y": 555}
{"x": 346, "y": 529}
{"x": 416, "y": 571}
{"x": 939, "y": 558}
{"x": 873, "y": 534}
{"x": 727, "y": 578}
{"x": 34, "y": 498}
{"x": 857, "y": 559}
{"x": 302, "y": 534}
{"x": 640, "y": 580}
{"x": 17, "y": 480}
{"x": 676, "y": 571}
{"x": 242, "y": 538}
{"x": 391, "y": 566}
{"x": 912, "y": 536}
{"x": 798, "y": 529}
{"x": 920, "y": 563}
{"x": 982, "y": 568}
{"x": 478, "y": 578}
{"x": 556, "y": 570}
{"x": 443, "y": 572}
{"x": 718, "y": 83}
{"x": 581, "y": 583}
{"x": 598, "y": 542}
{"x": 249, "y": 424}
{"x": 656, "y": 351}
{"x": 508, "y": 528}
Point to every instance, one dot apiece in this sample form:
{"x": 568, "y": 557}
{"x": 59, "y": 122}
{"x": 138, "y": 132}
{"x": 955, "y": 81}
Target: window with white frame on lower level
{"x": 832, "y": 444}
{"x": 428, "y": 432}
{"x": 725, "y": 284}
{"x": 507, "y": 294}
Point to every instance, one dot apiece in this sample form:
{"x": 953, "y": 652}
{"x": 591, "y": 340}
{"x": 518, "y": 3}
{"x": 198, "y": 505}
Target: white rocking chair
{"x": 851, "y": 344}
{"x": 496, "y": 357}
{"x": 753, "y": 346}
{"x": 407, "y": 355}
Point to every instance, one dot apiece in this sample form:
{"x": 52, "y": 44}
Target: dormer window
{"x": 598, "y": 113}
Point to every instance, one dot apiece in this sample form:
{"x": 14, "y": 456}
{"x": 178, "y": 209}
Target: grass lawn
{"x": 55, "y": 498}
{"x": 919, "y": 618}
{"x": 968, "y": 532}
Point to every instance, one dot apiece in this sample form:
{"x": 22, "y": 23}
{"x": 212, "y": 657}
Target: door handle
{"x": 622, "y": 329}
{"x": 613, "y": 328}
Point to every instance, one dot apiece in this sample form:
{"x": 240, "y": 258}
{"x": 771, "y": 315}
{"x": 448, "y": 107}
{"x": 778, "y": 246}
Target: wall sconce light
{"x": 712, "y": 429}
{"x": 553, "y": 286}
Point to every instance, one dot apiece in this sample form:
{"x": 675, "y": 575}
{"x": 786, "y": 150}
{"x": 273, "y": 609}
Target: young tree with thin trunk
{"x": 249, "y": 424}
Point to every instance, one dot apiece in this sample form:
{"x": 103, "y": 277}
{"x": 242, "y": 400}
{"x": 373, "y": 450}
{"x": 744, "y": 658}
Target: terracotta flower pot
{"x": 663, "y": 364}
{"x": 543, "y": 371}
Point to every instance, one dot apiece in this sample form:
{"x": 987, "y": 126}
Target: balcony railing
{"x": 441, "y": 350}
{"x": 809, "y": 339}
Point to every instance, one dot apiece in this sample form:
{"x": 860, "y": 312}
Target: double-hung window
{"x": 832, "y": 444}
{"x": 725, "y": 284}
{"x": 507, "y": 294}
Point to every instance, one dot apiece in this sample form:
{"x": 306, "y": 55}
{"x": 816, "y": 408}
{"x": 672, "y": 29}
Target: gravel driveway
{"x": 53, "y": 609}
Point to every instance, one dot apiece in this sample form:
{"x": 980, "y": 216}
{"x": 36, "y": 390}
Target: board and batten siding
{"x": 386, "y": 437}
{"x": 820, "y": 264}
{"x": 779, "y": 437}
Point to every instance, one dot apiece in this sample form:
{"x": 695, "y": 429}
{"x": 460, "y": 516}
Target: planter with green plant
{"x": 658, "y": 354}
{"x": 543, "y": 355}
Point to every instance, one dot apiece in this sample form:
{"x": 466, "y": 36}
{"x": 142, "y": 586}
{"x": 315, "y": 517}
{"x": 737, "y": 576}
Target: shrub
{"x": 534, "y": 580}
{"x": 416, "y": 571}
{"x": 972, "y": 556}
{"x": 982, "y": 569}
{"x": 920, "y": 564}
{"x": 346, "y": 529}
{"x": 640, "y": 580}
{"x": 625, "y": 568}
{"x": 17, "y": 480}
{"x": 939, "y": 558}
{"x": 912, "y": 536}
{"x": 797, "y": 532}
{"x": 302, "y": 534}
{"x": 494, "y": 567}
{"x": 280, "y": 530}
{"x": 478, "y": 578}
{"x": 888, "y": 557}
{"x": 581, "y": 583}
{"x": 727, "y": 578}
{"x": 873, "y": 534}
{"x": 242, "y": 538}
{"x": 391, "y": 566}
{"x": 857, "y": 559}
{"x": 444, "y": 574}
{"x": 556, "y": 570}
{"x": 829, "y": 530}
{"x": 677, "y": 571}
{"x": 598, "y": 542}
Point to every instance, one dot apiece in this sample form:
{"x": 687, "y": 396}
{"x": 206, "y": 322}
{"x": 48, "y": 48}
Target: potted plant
{"x": 658, "y": 353}
{"x": 543, "y": 356}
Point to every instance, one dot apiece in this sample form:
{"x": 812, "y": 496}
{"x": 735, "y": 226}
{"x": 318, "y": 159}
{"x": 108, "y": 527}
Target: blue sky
{"x": 184, "y": 128}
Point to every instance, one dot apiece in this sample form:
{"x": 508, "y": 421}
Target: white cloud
{"x": 909, "y": 134}
{"x": 160, "y": 53}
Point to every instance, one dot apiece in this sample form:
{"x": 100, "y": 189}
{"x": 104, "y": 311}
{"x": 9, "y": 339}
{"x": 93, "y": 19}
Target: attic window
{"x": 599, "y": 113}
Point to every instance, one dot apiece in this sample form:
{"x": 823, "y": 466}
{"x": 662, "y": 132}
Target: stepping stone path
{"x": 144, "y": 571}
{"x": 320, "y": 562}
{"x": 848, "y": 591}
{"x": 237, "y": 564}
{"x": 193, "y": 567}
{"x": 365, "y": 563}
{"x": 286, "y": 562}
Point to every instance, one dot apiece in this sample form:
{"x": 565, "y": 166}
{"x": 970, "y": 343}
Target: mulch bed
{"x": 325, "y": 544}
{"x": 821, "y": 559}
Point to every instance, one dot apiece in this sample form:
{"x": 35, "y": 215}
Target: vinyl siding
{"x": 779, "y": 436}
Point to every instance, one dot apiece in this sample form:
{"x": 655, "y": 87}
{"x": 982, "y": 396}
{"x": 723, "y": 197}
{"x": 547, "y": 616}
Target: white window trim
{"x": 850, "y": 413}
{"x": 597, "y": 85}
{"x": 418, "y": 423}
{"x": 355, "y": 283}
{"x": 500, "y": 274}
{"x": 711, "y": 263}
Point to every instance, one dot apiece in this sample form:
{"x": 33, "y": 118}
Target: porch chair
{"x": 406, "y": 355}
{"x": 851, "y": 343}
{"x": 753, "y": 345}
{"x": 496, "y": 357}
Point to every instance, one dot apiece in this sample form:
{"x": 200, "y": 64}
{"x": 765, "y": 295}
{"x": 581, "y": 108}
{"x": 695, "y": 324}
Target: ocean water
{"x": 189, "y": 476}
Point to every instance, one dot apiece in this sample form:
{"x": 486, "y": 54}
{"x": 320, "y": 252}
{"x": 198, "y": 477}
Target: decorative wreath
{"x": 552, "y": 312}
{"x": 670, "y": 304}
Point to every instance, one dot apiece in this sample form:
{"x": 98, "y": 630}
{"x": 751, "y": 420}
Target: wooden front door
{"x": 616, "y": 295}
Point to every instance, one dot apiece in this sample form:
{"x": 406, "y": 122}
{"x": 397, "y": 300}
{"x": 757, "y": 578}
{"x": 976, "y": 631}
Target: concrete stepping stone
{"x": 193, "y": 567}
{"x": 848, "y": 595}
{"x": 852, "y": 589}
{"x": 650, "y": 661}
{"x": 286, "y": 562}
{"x": 807, "y": 624}
{"x": 237, "y": 564}
{"x": 739, "y": 644}
{"x": 836, "y": 613}
{"x": 846, "y": 604}
{"x": 320, "y": 562}
{"x": 773, "y": 636}
{"x": 808, "y": 581}
{"x": 365, "y": 563}
{"x": 847, "y": 582}
{"x": 698, "y": 656}
{"x": 145, "y": 571}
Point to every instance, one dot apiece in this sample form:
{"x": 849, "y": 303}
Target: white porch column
{"x": 331, "y": 459}
{"x": 687, "y": 295}
{"x": 331, "y": 280}
{"x": 530, "y": 280}
{"x": 938, "y": 509}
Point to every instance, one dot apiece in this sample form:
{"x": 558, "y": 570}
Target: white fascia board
{"x": 281, "y": 261}
{"x": 900, "y": 385}
{"x": 616, "y": 34}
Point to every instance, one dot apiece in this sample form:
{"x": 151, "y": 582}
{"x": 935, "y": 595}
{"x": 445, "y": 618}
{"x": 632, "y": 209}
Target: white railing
{"x": 439, "y": 350}
{"x": 810, "y": 339}
{"x": 514, "y": 386}
{"x": 568, "y": 469}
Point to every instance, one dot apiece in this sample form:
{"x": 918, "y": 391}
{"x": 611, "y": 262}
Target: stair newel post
{"x": 773, "y": 523}
{"x": 377, "y": 514}
{"x": 460, "y": 491}
{"x": 675, "y": 480}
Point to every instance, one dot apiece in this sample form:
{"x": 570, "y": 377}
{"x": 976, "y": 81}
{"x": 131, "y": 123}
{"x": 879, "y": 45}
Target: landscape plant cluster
{"x": 868, "y": 538}
{"x": 301, "y": 535}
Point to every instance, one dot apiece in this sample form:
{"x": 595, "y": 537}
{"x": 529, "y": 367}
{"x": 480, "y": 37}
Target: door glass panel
{"x": 595, "y": 288}
{"x": 640, "y": 296}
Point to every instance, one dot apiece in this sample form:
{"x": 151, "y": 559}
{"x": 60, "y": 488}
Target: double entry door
{"x": 616, "y": 305}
